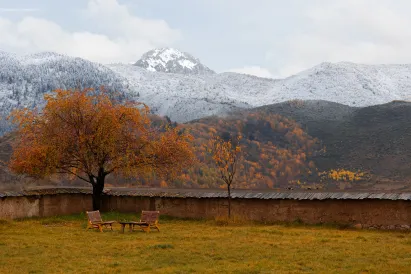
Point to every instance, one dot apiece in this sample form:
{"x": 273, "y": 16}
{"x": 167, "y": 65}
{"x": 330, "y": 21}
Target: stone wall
{"x": 64, "y": 204}
{"x": 44, "y": 206}
{"x": 19, "y": 207}
{"x": 368, "y": 213}
{"x": 371, "y": 213}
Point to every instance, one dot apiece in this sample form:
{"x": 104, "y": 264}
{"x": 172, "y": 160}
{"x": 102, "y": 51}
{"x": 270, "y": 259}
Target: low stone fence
{"x": 362, "y": 210}
{"x": 44, "y": 205}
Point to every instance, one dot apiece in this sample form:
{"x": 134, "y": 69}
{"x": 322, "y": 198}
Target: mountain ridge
{"x": 185, "y": 96}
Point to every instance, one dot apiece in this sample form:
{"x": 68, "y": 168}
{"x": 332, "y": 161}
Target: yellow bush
{"x": 342, "y": 175}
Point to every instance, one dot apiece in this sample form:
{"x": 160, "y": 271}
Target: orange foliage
{"x": 88, "y": 135}
{"x": 275, "y": 150}
{"x": 226, "y": 155}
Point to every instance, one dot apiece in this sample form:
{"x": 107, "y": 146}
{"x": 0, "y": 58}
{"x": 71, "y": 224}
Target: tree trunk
{"x": 229, "y": 200}
{"x": 98, "y": 187}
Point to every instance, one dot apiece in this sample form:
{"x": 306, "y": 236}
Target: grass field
{"x": 63, "y": 245}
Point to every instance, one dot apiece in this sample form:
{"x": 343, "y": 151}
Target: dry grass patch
{"x": 63, "y": 245}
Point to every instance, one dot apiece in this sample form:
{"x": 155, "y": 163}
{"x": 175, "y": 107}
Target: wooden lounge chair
{"x": 148, "y": 220}
{"x": 95, "y": 221}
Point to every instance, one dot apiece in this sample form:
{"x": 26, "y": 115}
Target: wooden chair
{"x": 95, "y": 221}
{"x": 148, "y": 220}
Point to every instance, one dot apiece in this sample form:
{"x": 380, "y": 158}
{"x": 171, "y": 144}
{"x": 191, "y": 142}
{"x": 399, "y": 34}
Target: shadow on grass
{"x": 217, "y": 221}
{"x": 5, "y": 222}
{"x": 106, "y": 216}
{"x": 54, "y": 219}
{"x": 162, "y": 246}
{"x": 221, "y": 221}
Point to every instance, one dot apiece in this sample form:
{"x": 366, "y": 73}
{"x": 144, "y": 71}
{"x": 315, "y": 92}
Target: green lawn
{"x": 63, "y": 245}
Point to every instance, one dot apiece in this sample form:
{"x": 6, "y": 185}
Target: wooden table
{"x": 129, "y": 223}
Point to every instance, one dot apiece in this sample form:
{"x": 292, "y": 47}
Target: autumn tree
{"x": 89, "y": 135}
{"x": 226, "y": 154}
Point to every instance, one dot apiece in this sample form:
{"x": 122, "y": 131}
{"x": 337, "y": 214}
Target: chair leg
{"x": 100, "y": 227}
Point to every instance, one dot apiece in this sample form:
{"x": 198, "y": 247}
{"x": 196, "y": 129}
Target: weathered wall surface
{"x": 19, "y": 207}
{"x": 64, "y": 204}
{"x": 44, "y": 206}
{"x": 127, "y": 204}
{"x": 369, "y": 213}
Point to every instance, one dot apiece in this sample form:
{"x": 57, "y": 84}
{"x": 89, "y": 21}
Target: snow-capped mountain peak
{"x": 172, "y": 61}
{"x": 191, "y": 91}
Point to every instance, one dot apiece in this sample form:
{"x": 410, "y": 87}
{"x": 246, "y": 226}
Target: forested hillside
{"x": 292, "y": 145}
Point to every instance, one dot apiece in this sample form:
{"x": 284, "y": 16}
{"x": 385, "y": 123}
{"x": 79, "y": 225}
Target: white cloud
{"x": 127, "y": 36}
{"x": 18, "y": 9}
{"x": 362, "y": 31}
{"x": 294, "y": 35}
{"x": 129, "y": 26}
{"x": 254, "y": 70}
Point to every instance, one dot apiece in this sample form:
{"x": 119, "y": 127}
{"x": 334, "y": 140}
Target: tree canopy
{"x": 89, "y": 135}
{"x": 226, "y": 155}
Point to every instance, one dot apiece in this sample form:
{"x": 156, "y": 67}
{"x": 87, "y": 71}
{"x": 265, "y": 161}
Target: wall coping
{"x": 213, "y": 193}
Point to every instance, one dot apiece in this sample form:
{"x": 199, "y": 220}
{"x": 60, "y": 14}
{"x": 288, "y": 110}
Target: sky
{"x": 267, "y": 38}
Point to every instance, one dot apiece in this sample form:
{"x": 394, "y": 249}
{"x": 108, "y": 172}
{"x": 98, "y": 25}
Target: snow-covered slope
{"x": 184, "y": 97}
{"x": 24, "y": 80}
{"x": 346, "y": 83}
{"x": 172, "y": 61}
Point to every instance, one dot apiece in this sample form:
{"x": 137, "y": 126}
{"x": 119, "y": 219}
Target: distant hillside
{"x": 284, "y": 148}
{"x": 276, "y": 150}
{"x": 314, "y": 144}
{"x": 375, "y": 139}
